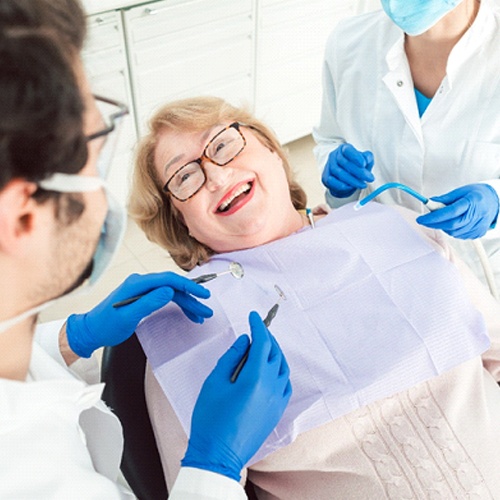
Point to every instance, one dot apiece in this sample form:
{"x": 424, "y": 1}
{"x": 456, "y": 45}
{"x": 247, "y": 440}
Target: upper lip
{"x": 232, "y": 193}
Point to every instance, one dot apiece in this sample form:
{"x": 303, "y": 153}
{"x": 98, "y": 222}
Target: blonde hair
{"x": 152, "y": 209}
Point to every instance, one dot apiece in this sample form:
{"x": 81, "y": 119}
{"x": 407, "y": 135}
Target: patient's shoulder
{"x": 436, "y": 238}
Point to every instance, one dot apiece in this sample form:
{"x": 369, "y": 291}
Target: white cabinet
{"x": 105, "y": 60}
{"x": 291, "y": 37}
{"x": 181, "y": 48}
{"x": 264, "y": 54}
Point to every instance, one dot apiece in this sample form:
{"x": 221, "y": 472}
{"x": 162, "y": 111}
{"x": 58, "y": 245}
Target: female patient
{"x": 392, "y": 398}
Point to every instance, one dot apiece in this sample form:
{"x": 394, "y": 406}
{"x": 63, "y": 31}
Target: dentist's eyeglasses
{"x": 224, "y": 146}
{"x": 112, "y": 113}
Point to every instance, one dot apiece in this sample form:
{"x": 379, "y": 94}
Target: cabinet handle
{"x": 151, "y": 12}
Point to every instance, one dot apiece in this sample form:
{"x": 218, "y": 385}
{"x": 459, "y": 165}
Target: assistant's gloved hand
{"x": 106, "y": 325}
{"x": 232, "y": 420}
{"x": 346, "y": 170}
{"x": 470, "y": 211}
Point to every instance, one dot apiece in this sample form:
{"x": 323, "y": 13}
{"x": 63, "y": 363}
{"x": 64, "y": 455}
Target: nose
{"x": 217, "y": 176}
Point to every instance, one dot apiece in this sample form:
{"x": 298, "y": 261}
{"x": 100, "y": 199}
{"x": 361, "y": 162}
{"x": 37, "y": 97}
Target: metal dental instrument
{"x": 235, "y": 269}
{"x": 267, "y": 321}
{"x": 431, "y": 205}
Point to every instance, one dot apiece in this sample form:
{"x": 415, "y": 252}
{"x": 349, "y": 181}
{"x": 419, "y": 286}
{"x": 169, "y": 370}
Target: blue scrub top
{"x": 422, "y": 102}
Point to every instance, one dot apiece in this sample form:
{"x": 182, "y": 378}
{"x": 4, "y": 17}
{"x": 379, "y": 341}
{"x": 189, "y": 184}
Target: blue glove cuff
{"x": 495, "y": 194}
{"x": 223, "y": 461}
{"x": 77, "y": 331}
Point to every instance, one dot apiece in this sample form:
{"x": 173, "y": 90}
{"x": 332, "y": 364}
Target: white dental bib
{"x": 372, "y": 309}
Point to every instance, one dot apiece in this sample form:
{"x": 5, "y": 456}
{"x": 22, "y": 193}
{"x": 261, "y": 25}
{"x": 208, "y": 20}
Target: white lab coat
{"x": 369, "y": 101}
{"x": 58, "y": 440}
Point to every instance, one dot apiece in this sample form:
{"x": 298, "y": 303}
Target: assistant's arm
{"x": 327, "y": 134}
{"x": 343, "y": 172}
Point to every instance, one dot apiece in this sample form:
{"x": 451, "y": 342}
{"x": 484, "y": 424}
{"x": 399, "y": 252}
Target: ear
{"x": 17, "y": 214}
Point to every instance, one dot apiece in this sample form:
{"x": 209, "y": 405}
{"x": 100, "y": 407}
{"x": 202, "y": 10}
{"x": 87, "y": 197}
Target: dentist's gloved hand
{"x": 106, "y": 325}
{"x": 347, "y": 170}
{"x": 470, "y": 211}
{"x": 232, "y": 420}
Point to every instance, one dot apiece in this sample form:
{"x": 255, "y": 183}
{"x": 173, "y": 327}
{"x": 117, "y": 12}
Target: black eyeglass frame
{"x": 235, "y": 125}
{"x": 113, "y": 118}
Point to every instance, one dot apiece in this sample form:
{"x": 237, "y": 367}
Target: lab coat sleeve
{"x": 327, "y": 134}
{"x": 37, "y": 464}
{"x": 480, "y": 296}
{"x": 47, "y": 336}
{"x": 197, "y": 484}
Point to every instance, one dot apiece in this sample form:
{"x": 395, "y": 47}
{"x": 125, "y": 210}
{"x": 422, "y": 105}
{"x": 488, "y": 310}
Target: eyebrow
{"x": 172, "y": 161}
{"x": 179, "y": 157}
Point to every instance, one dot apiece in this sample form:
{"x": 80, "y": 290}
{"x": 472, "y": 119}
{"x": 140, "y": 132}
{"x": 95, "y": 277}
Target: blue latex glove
{"x": 470, "y": 211}
{"x": 106, "y": 325}
{"x": 232, "y": 420}
{"x": 347, "y": 170}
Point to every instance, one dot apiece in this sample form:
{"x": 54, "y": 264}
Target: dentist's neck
{"x": 15, "y": 350}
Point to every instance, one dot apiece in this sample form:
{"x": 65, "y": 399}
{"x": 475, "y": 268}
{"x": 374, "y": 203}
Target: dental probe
{"x": 267, "y": 321}
{"x": 235, "y": 268}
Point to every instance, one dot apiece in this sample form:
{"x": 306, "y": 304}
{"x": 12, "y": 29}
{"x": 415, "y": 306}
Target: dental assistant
{"x": 57, "y": 437}
{"x": 411, "y": 94}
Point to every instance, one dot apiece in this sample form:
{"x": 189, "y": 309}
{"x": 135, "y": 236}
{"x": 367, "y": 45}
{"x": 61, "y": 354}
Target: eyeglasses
{"x": 223, "y": 148}
{"x": 112, "y": 113}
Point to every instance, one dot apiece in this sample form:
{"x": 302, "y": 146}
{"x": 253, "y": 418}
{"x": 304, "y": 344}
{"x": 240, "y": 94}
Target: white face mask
{"x": 112, "y": 233}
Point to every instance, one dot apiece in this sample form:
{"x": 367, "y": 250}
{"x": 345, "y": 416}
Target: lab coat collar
{"x": 400, "y": 84}
{"x": 483, "y": 27}
{"x": 396, "y": 54}
{"x": 23, "y": 400}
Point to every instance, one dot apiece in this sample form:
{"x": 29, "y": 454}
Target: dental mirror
{"x": 235, "y": 268}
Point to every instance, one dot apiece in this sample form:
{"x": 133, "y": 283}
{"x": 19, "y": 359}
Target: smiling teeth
{"x": 241, "y": 190}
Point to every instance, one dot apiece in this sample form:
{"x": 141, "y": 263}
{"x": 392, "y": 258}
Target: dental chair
{"x": 122, "y": 370}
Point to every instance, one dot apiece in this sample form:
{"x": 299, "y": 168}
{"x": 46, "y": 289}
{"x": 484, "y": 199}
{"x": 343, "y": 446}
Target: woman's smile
{"x": 236, "y": 198}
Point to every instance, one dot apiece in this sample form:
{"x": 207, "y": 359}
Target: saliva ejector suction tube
{"x": 435, "y": 205}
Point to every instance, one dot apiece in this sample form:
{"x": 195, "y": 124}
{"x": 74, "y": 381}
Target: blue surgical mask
{"x": 415, "y": 17}
{"x": 111, "y": 236}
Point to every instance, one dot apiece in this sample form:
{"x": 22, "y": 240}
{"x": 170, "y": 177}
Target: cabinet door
{"x": 291, "y": 38}
{"x": 186, "y": 48}
{"x": 106, "y": 64}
